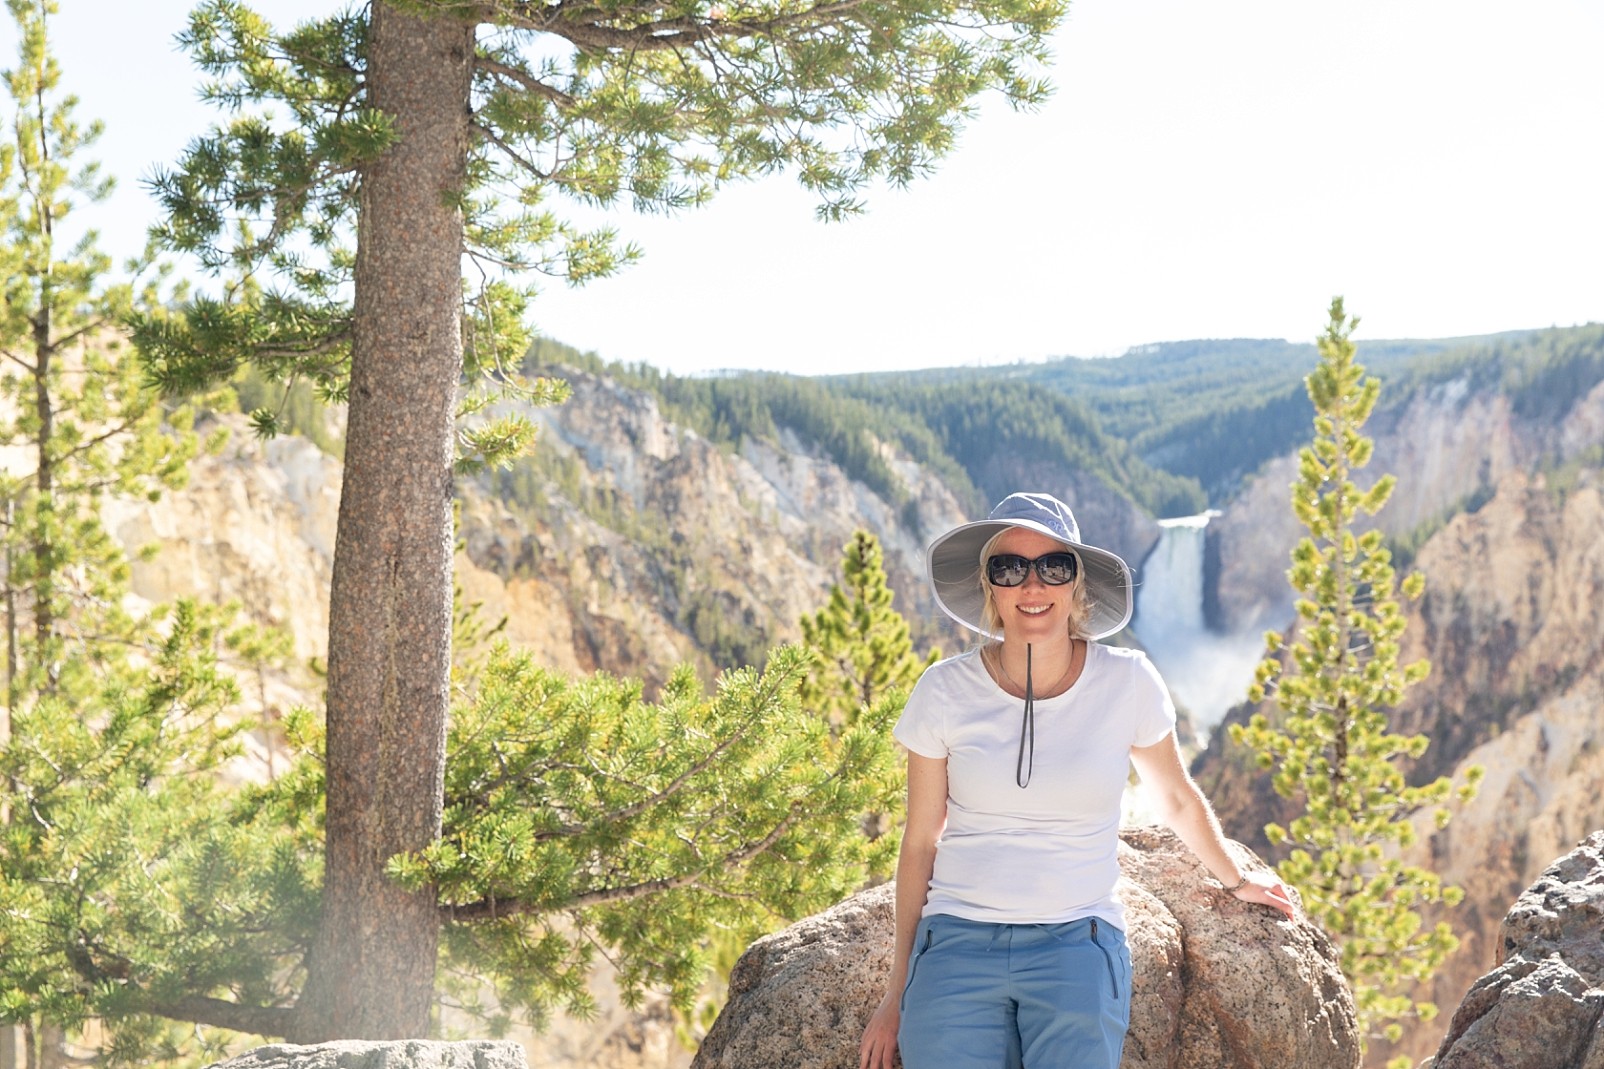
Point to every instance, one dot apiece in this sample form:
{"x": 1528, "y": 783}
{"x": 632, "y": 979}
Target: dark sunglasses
{"x": 1010, "y": 569}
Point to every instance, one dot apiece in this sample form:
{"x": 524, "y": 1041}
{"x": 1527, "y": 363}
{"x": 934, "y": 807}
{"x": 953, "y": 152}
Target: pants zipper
{"x": 913, "y": 967}
{"x": 1108, "y": 956}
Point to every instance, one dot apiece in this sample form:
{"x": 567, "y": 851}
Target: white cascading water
{"x": 1207, "y": 672}
{"x": 1169, "y": 601}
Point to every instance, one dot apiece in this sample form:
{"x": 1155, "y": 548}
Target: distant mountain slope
{"x": 1172, "y": 426}
{"x": 1152, "y": 387}
{"x": 991, "y": 427}
{"x": 1220, "y": 430}
{"x": 1450, "y": 427}
{"x": 981, "y": 437}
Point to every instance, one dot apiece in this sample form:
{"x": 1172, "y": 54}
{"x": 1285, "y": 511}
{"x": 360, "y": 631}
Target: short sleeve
{"x": 1154, "y": 709}
{"x": 921, "y": 728}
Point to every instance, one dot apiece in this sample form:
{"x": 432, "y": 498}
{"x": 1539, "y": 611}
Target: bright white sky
{"x": 1205, "y": 170}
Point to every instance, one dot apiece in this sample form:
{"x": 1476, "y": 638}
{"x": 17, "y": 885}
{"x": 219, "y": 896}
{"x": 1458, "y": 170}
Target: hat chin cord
{"x": 1027, "y": 726}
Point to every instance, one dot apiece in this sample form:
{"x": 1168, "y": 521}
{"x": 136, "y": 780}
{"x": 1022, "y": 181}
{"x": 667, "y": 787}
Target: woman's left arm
{"x": 1180, "y": 804}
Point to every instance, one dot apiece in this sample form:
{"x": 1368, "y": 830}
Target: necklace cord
{"x": 1022, "y": 773}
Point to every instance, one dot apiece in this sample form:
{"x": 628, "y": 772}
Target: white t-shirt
{"x": 1045, "y": 853}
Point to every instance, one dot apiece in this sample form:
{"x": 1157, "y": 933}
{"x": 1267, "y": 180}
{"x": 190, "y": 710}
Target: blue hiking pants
{"x": 1015, "y": 996}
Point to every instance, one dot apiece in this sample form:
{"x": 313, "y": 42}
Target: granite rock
{"x": 1539, "y": 1008}
{"x": 1217, "y": 982}
{"x": 394, "y": 1054}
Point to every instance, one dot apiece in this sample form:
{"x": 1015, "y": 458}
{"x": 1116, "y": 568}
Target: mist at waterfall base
{"x": 1207, "y": 672}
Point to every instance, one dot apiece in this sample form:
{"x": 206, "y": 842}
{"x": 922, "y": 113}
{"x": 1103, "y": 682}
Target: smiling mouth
{"x": 1035, "y": 610}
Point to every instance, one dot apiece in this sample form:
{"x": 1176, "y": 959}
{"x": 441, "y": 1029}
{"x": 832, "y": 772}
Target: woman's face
{"x": 1033, "y": 611}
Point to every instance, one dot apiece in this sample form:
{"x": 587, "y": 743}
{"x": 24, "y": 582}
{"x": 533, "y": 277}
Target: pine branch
{"x": 523, "y": 162}
{"x": 527, "y": 80}
{"x": 273, "y": 1021}
{"x": 19, "y": 361}
{"x": 658, "y": 35}
{"x": 603, "y": 896}
{"x": 91, "y": 327}
{"x": 680, "y": 783}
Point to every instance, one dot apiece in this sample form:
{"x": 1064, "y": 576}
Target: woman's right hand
{"x": 879, "y": 1047}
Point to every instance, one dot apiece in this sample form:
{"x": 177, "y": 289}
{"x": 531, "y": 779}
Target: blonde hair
{"x": 1080, "y": 603}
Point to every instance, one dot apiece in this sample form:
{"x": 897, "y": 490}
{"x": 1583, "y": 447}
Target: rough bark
{"x": 44, "y": 476}
{"x": 371, "y": 973}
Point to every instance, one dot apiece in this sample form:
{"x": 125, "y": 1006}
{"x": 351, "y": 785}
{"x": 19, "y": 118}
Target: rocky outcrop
{"x": 659, "y": 547}
{"x": 1510, "y": 615}
{"x": 1540, "y": 1008}
{"x": 399, "y": 1054}
{"x": 1216, "y": 982}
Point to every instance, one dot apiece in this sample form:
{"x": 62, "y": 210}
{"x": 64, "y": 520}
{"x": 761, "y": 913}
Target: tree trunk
{"x": 371, "y": 972}
{"x": 45, "y": 568}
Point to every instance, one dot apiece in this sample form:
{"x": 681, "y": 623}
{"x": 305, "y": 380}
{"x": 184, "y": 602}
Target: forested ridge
{"x": 1174, "y": 426}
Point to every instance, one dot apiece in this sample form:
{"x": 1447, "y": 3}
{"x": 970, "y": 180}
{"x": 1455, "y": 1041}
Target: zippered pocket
{"x": 913, "y": 967}
{"x": 1108, "y": 956}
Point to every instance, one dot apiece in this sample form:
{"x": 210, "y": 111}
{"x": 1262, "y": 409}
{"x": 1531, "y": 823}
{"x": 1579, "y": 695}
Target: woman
{"x": 1010, "y": 944}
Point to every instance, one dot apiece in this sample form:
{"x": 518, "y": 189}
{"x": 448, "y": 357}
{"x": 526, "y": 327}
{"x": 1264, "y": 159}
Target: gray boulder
{"x": 396, "y": 1054}
{"x": 1539, "y": 1008}
{"x": 1218, "y": 983}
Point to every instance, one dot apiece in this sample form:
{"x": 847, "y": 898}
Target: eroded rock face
{"x": 1216, "y": 982}
{"x": 255, "y": 524}
{"x": 701, "y": 545}
{"x": 1540, "y": 1008}
{"x": 1511, "y": 627}
{"x": 1447, "y": 443}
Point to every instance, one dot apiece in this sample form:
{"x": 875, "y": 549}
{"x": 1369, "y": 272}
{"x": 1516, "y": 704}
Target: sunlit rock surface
{"x": 1540, "y": 1008}
{"x": 1216, "y": 982}
{"x": 398, "y": 1054}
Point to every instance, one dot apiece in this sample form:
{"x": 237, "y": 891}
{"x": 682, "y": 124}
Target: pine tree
{"x": 137, "y": 888}
{"x": 860, "y": 641}
{"x": 109, "y": 723}
{"x": 1333, "y": 681}
{"x": 421, "y": 132}
{"x": 77, "y": 411}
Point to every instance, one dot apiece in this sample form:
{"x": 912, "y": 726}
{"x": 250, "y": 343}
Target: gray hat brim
{"x": 954, "y": 560}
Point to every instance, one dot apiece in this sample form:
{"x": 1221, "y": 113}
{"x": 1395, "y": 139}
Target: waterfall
{"x": 1207, "y": 672}
{"x": 1169, "y": 602}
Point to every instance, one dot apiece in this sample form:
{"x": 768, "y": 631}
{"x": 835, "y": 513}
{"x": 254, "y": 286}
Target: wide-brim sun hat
{"x": 954, "y": 560}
